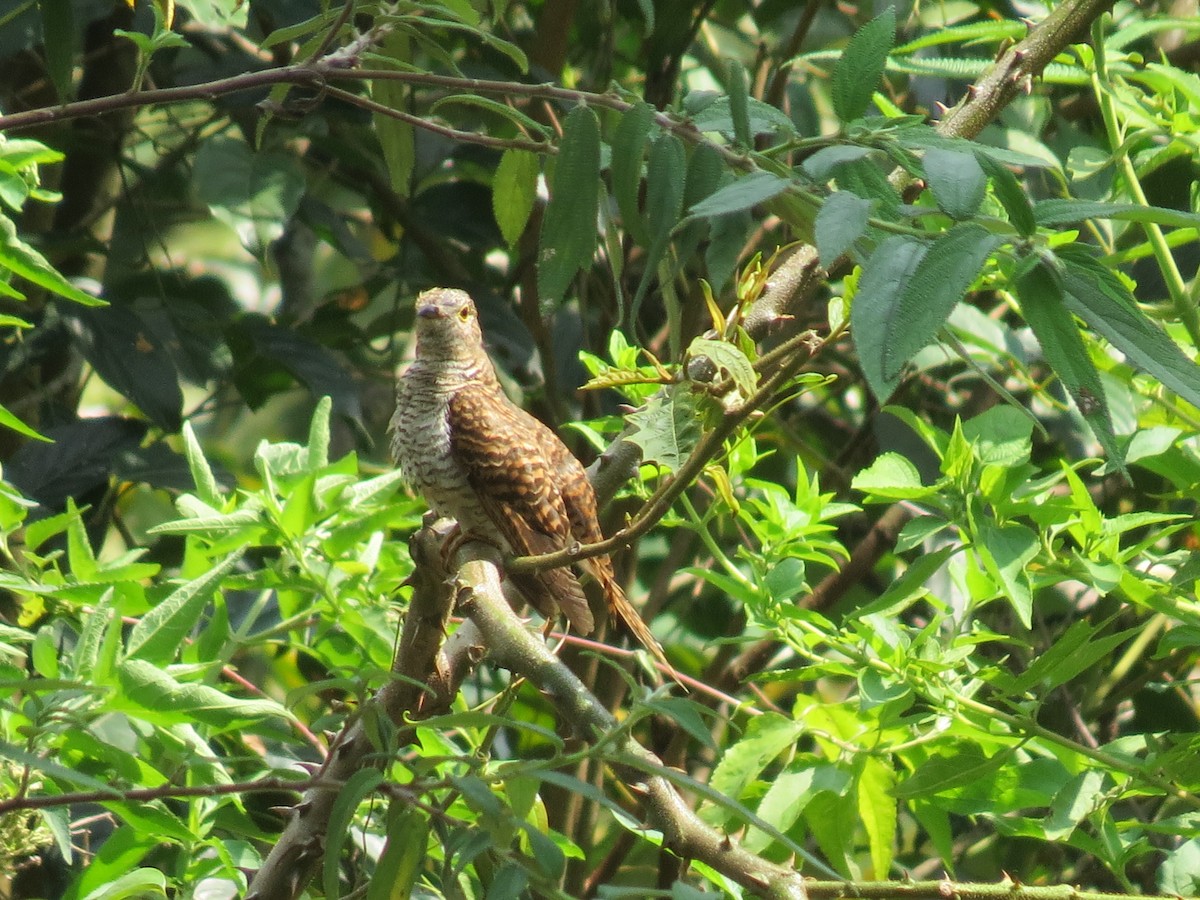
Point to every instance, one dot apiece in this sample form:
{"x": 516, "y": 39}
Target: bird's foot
{"x": 457, "y": 538}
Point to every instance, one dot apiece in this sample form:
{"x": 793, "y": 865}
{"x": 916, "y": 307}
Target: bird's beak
{"x": 429, "y": 311}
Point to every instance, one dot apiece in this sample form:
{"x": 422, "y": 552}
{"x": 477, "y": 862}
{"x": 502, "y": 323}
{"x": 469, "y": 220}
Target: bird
{"x": 502, "y": 474}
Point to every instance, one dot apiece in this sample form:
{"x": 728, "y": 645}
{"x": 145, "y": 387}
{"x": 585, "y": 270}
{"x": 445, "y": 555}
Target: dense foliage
{"x": 881, "y": 324}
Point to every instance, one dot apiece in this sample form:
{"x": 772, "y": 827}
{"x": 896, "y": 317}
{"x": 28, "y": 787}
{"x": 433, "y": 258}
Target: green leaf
{"x": 942, "y": 276}
{"x": 136, "y": 885}
{"x": 910, "y": 586}
{"x": 782, "y": 805}
{"x": 667, "y": 428}
{"x": 1054, "y": 327}
{"x": 131, "y": 358}
{"x": 60, "y": 39}
{"x": 738, "y": 102}
{"x": 761, "y": 118}
{"x": 857, "y": 73}
{"x": 349, "y": 795}
{"x": 628, "y": 146}
{"x": 403, "y": 855}
{"x": 766, "y": 737}
{"x": 741, "y": 194}
{"x": 875, "y": 309}
{"x": 1005, "y": 551}
{"x": 664, "y": 203}
{"x": 396, "y": 138}
{"x": 568, "y": 239}
{"x": 892, "y": 476}
{"x": 160, "y": 633}
{"x": 877, "y": 808}
{"x": 822, "y": 164}
{"x": 944, "y": 772}
{"x": 1073, "y": 652}
{"x": 1010, "y": 194}
{"x": 21, "y": 259}
{"x": 8, "y": 420}
{"x": 841, "y": 221}
{"x": 957, "y": 182}
{"x": 514, "y": 192}
{"x": 254, "y": 193}
{"x": 1100, "y": 298}
{"x": 1068, "y": 212}
{"x": 730, "y": 361}
{"x": 202, "y": 475}
{"x": 1081, "y": 796}
{"x": 150, "y": 693}
{"x": 1001, "y": 435}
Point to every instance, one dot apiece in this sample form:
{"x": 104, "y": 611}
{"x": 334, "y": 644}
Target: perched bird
{"x": 504, "y": 476}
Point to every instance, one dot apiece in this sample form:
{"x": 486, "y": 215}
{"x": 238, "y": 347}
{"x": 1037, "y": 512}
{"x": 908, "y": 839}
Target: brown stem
{"x": 511, "y": 646}
{"x": 424, "y": 682}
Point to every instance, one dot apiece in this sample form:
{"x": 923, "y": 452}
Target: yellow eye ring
{"x": 465, "y": 313}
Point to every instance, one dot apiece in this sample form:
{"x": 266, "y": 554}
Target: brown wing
{"x": 501, "y": 449}
{"x": 579, "y": 500}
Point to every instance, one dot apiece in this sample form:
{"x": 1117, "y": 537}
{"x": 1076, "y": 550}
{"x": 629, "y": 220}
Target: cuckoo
{"x": 500, "y": 473}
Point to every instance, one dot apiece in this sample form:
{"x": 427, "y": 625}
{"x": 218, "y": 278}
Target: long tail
{"x": 620, "y": 608}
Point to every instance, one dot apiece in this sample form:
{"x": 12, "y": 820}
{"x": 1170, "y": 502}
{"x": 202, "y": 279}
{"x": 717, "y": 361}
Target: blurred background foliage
{"x": 939, "y": 600}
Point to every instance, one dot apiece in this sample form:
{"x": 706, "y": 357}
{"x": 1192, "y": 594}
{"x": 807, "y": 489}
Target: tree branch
{"x": 424, "y": 682}
{"x": 511, "y": 646}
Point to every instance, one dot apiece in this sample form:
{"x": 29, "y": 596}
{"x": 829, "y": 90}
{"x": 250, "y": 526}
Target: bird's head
{"x": 447, "y": 325}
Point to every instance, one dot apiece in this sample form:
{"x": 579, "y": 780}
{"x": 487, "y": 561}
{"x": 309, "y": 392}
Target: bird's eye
{"x": 465, "y": 313}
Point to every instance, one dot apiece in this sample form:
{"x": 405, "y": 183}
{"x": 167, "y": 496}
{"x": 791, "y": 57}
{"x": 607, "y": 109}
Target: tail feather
{"x": 619, "y": 607}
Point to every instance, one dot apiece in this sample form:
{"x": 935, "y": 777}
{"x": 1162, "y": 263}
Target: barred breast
{"x": 420, "y": 430}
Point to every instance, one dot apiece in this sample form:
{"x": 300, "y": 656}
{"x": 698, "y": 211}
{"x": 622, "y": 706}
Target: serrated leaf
{"x": 874, "y": 312}
{"x": 159, "y": 634}
{"x": 857, "y": 73}
{"x": 664, "y": 204}
{"x": 1001, "y": 435}
{"x": 766, "y": 737}
{"x": 628, "y": 146}
{"x": 1069, "y": 212}
{"x": 1054, "y": 327}
{"x": 944, "y": 772}
{"x": 1101, "y": 299}
{"x": 741, "y": 195}
{"x": 942, "y": 276}
{"x": 957, "y": 182}
{"x": 730, "y": 361}
{"x": 823, "y": 163}
{"x": 149, "y": 692}
{"x": 568, "y": 239}
{"x": 667, "y": 428}
{"x": 761, "y": 118}
{"x": 877, "y": 809}
{"x": 841, "y": 221}
{"x": 739, "y": 96}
